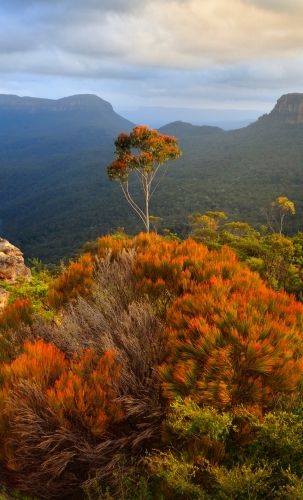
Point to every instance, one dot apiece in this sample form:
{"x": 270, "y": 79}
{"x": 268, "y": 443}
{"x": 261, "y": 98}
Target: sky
{"x": 216, "y": 54}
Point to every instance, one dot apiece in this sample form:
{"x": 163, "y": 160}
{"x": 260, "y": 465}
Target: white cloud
{"x": 188, "y": 34}
{"x": 199, "y": 33}
{"x": 157, "y": 50}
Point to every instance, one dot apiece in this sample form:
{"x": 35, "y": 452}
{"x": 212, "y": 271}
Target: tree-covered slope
{"x": 55, "y": 194}
{"x": 238, "y": 172}
{"x": 53, "y": 184}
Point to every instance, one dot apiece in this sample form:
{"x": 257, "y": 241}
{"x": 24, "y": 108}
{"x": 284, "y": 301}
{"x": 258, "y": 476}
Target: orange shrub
{"x": 14, "y": 314}
{"x": 86, "y": 392}
{"x": 118, "y": 242}
{"x": 163, "y": 268}
{"x": 12, "y": 332}
{"x": 79, "y": 393}
{"x": 230, "y": 339}
{"x": 166, "y": 270}
{"x": 233, "y": 341}
{"x": 144, "y": 241}
{"x": 114, "y": 244}
{"x": 76, "y": 280}
{"x": 40, "y": 363}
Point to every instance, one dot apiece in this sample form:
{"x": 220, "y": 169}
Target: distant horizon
{"x": 158, "y": 116}
{"x": 126, "y": 107}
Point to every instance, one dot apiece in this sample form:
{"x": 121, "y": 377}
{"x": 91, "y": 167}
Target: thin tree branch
{"x": 160, "y": 180}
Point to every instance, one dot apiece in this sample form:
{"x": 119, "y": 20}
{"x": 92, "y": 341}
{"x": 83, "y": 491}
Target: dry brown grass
{"x": 54, "y": 462}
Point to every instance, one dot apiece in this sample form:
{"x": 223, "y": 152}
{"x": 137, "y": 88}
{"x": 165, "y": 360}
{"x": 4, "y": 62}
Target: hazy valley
{"x": 55, "y": 193}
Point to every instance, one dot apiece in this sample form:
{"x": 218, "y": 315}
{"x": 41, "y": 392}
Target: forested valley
{"x": 54, "y": 188}
{"x": 159, "y": 366}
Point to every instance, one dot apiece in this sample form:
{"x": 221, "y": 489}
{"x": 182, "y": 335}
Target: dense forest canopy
{"x": 53, "y": 182}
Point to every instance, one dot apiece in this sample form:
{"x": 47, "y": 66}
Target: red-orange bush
{"x": 232, "y": 341}
{"x": 78, "y": 393}
{"x": 12, "y": 321}
{"x": 166, "y": 270}
{"x": 114, "y": 244}
{"x": 40, "y": 363}
{"x": 76, "y": 280}
{"x": 86, "y": 392}
{"x": 81, "y": 388}
{"x": 18, "y": 312}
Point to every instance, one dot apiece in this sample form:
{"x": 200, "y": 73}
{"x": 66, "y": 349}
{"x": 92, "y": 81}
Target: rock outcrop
{"x": 12, "y": 264}
{"x": 289, "y": 108}
{"x": 12, "y": 267}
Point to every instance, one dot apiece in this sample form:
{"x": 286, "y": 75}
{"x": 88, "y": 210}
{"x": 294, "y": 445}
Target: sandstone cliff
{"x": 289, "y": 108}
{"x": 12, "y": 268}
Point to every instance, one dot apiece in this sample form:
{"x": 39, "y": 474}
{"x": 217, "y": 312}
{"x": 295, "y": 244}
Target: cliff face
{"x": 72, "y": 103}
{"x": 289, "y": 108}
{"x": 12, "y": 267}
{"x": 12, "y": 264}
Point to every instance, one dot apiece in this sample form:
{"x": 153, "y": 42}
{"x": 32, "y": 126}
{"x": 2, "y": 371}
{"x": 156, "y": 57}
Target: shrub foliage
{"x": 168, "y": 369}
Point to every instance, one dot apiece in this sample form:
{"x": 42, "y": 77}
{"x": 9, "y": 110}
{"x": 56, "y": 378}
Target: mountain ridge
{"x": 71, "y": 103}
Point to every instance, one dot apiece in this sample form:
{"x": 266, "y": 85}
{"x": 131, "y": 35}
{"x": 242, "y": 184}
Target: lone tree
{"x": 143, "y": 151}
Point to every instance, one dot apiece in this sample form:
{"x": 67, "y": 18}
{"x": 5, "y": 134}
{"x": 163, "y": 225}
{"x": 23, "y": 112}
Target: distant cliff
{"x": 289, "y": 108}
{"x": 73, "y": 103}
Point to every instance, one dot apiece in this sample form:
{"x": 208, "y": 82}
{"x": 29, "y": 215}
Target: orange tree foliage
{"x": 152, "y": 151}
{"x": 76, "y": 280}
{"x": 80, "y": 392}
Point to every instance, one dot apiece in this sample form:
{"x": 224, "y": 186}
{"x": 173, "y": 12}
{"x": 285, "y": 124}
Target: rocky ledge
{"x": 12, "y": 268}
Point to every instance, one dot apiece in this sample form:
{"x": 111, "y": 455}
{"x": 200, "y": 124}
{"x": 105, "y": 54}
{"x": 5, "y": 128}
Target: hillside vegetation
{"x": 53, "y": 182}
{"x": 155, "y": 368}
{"x": 54, "y": 188}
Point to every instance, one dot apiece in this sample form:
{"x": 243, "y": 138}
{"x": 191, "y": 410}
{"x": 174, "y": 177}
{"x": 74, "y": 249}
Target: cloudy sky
{"x": 239, "y": 54}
